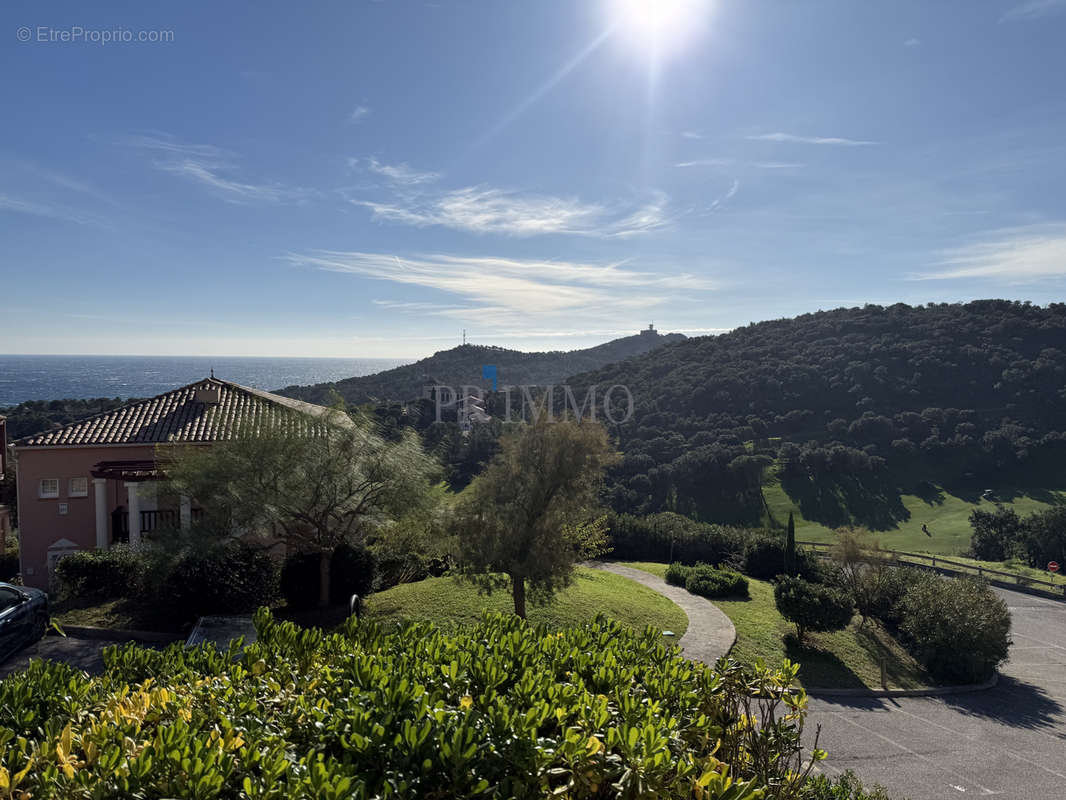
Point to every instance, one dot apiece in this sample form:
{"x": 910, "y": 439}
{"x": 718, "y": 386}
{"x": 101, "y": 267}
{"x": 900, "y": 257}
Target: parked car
{"x": 23, "y": 617}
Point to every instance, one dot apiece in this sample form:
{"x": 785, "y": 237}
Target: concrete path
{"x": 710, "y": 632}
{"x": 1008, "y": 742}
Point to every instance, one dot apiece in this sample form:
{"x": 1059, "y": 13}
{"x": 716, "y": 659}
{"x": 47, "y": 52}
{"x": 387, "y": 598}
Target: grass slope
{"x": 947, "y": 517}
{"x": 846, "y": 659}
{"x": 447, "y": 600}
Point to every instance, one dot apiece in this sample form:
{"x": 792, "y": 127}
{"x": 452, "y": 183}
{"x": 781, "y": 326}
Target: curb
{"x": 937, "y": 691}
{"x": 87, "y": 632}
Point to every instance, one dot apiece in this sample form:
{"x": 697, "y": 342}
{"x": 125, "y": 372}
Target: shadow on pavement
{"x": 1012, "y": 702}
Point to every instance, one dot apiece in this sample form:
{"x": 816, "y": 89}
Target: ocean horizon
{"x": 57, "y": 377}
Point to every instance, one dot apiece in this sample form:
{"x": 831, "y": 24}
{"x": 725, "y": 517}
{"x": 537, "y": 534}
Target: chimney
{"x": 207, "y": 394}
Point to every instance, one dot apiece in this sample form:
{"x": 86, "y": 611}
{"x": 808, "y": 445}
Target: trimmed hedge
{"x": 710, "y": 582}
{"x": 501, "y": 709}
{"x": 231, "y": 578}
{"x": 95, "y": 575}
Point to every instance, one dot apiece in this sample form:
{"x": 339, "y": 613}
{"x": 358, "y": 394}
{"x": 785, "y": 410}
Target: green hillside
{"x": 946, "y": 516}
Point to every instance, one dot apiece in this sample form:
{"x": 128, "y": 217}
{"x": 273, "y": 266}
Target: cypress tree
{"x": 790, "y": 546}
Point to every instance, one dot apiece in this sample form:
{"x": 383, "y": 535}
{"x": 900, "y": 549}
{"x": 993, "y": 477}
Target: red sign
{"x": 1053, "y": 566}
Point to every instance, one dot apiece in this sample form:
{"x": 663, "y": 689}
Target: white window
{"x": 79, "y": 487}
{"x": 49, "y": 487}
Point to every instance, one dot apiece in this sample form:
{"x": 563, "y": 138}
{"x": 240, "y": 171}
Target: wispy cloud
{"x": 212, "y": 167}
{"x": 402, "y": 173}
{"x": 33, "y": 208}
{"x": 1034, "y": 9}
{"x": 692, "y": 135}
{"x": 705, "y": 162}
{"x": 731, "y": 192}
{"x": 914, "y": 41}
{"x": 500, "y": 290}
{"x": 728, "y": 162}
{"x": 485, "y": 209}
{"x": 359, "y": 113}
{"x": 1013, "y": 255}
{"x": 790, "y": 137}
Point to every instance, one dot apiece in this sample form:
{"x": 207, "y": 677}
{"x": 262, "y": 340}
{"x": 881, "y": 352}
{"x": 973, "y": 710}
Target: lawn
{"x": 846, "y": 659}
{"x": 117, "y": 614}
{"x": 947, "y": 517}
{"x": 447, "y": 601}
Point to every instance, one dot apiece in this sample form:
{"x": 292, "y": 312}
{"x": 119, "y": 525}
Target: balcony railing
{"x": 158, "y": 519}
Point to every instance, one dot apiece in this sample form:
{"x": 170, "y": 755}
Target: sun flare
{"x": 658, "y": 25}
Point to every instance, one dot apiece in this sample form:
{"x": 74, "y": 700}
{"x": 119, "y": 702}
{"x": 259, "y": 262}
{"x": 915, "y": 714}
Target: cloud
{"x": 705, "y": 162}
{"x": 789, "y": 137}
{"x": 1013, "y": 255}
{"x": 19, "y": 205}
{"x": 729, "y": 195}
{"x": 401, "y": 173}
{"x": 212, "y": 167}
{"x": 692, "y": 135}
{"x": 509, "y": 291}
{"x": 485, "y": 209}
{"x": 1035, "y": 9}
{"x": 359, "y": 113}
{"x": 914, "y": 41}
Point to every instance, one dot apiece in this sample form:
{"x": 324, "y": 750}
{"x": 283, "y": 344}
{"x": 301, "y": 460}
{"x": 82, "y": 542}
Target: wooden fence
{"x": 947, "y": 565}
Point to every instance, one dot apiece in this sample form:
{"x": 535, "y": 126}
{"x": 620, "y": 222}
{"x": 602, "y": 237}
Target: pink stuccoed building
{"x": 92, "y": 483}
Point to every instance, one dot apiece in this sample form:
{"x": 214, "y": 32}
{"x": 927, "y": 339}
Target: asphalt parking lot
{"x": 1008, "y": 742}
{"x": 86, "y": 654}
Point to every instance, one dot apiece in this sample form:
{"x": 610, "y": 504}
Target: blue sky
{"x": 367, "y": 178}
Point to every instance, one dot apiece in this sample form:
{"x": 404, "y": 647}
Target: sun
{"x": 659, "y": 26}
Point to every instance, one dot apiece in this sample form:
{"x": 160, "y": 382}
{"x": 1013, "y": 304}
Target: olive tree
{"x": 533, "y": 513}
{"x": 314, "y": 483}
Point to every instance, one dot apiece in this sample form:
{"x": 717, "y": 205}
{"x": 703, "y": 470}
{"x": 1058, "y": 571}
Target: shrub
{"x": 845, "y": 786}
{"x": 228, "y": 578}
{"x": 501, "y": 709}
{"x": 958, "y": 628}
{"x": 710, "y": 582}
{"x": 810, "y": 606}
{"x": 882, "y": 590}
{"x": 92, "y": 576}
{"x": 677, "y": 574}
{"x": 996, "y": 534}
{"x": 351, "y": 571}
{"x": 764, "y": 557}
{"x": 9, "y": 566}
{"x": 673, "y": 537}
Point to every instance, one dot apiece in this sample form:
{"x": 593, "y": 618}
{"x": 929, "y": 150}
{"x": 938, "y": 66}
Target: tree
{"x": 811, "y": 606}
{"x": 790, "y": 545}
{"x": 532, "y": 514}
{"x": 313, "y": 483}
{"x": 996, "y": 534}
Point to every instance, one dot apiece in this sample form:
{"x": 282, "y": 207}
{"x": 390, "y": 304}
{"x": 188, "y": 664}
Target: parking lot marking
{"x": 941, "y": 768}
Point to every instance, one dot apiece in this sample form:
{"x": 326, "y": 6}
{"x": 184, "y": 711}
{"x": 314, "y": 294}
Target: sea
{"x": 26, "y": 377}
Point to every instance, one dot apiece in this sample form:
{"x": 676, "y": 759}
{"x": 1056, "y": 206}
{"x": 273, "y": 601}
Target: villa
{"x": 91, "y": 484}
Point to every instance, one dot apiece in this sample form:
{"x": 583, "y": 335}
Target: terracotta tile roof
{"x": 184, "y": 415}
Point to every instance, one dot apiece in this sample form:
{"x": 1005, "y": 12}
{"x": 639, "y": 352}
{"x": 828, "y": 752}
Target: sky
{"x": 368, "y": 179}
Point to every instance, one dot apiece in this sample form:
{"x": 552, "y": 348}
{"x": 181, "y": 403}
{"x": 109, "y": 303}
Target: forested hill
{"x": 463, "y": 366}
{"x": 872, "y": 395}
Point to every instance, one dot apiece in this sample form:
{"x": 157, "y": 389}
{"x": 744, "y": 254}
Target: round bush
{"x": 709, "y": 582}
{"x": 958, "y": 628}
{"x": 811, "y": 606}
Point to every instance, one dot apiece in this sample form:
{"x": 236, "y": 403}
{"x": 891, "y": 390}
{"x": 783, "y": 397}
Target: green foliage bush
{"x": 677, "y": 574}
{"x": 810, "y": 606}
{"x": 958, "y": 628}
{"x": 845, "y": 786}
{"x": 882, "y": 590}
{"x": 502, "y": 709}
{"x": 710, "y": 582}
{"x": 96, "y": 575}
{"x": 764, "y": 557}
{"x": 673, "y": 537}
{"x": 229, "y": 578}
{"x": 351, "y": 571}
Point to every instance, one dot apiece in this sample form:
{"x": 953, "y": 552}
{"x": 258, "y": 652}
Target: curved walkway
{"x": 710, "y": 633}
